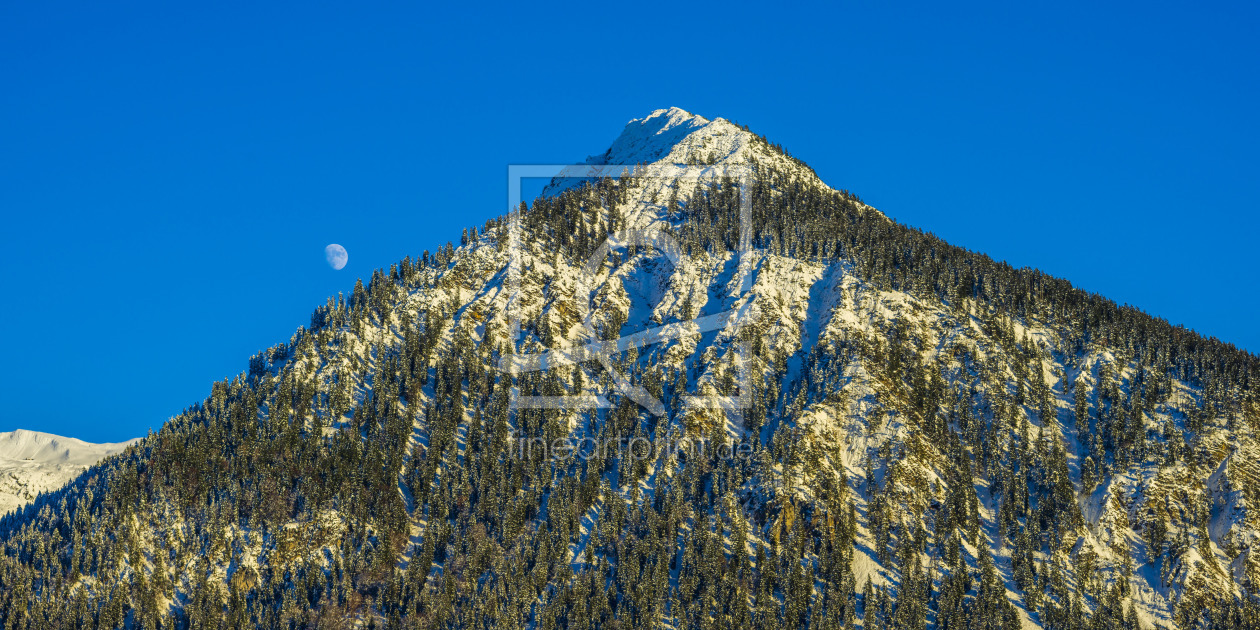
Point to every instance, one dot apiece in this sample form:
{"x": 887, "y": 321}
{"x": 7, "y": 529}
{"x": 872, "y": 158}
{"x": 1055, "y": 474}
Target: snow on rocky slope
{"x": 805, "y": 303}
{"x": 32, "y": 462}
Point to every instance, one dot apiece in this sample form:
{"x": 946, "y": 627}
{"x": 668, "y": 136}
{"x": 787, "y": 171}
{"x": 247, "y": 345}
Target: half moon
{"x": 336, "y": 256}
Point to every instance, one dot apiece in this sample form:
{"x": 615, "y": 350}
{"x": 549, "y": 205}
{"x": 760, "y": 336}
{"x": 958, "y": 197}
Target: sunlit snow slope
{"x": 32, "y": 462}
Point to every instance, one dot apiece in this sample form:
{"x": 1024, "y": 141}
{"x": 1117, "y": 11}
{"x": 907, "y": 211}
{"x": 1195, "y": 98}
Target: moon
{"x": 336, "y": 256}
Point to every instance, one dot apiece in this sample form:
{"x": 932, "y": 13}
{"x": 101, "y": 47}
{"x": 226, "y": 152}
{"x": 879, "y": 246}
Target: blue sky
{"x": 169, "y": 176}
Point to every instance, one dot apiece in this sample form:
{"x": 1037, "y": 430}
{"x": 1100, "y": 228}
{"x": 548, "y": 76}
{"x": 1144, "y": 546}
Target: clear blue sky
{"x": 170, "y": 176}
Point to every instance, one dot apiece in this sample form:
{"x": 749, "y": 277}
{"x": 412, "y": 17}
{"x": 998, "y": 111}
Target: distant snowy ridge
{"x": 32, "y": 462}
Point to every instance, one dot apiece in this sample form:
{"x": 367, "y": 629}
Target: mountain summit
{"x": 663, "y": 403}
{"x": 676, "y": 136}
{"x": 671, "y": 135}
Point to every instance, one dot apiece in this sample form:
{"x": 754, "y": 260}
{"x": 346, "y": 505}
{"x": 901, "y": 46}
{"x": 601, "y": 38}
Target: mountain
{"x": 787, "y": 409}
{"x": 32, "y": 462}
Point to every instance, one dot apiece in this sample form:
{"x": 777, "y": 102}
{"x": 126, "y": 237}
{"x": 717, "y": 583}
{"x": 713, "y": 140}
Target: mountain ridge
{"x": 32, "y": 462}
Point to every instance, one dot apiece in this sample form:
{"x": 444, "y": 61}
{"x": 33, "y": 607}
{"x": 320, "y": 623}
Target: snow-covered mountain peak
{"x": 665, "y": 119}
{"x": 676, "y": 136}
{"x": 673, "y": 148}
{"x": 654, "y": 137}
